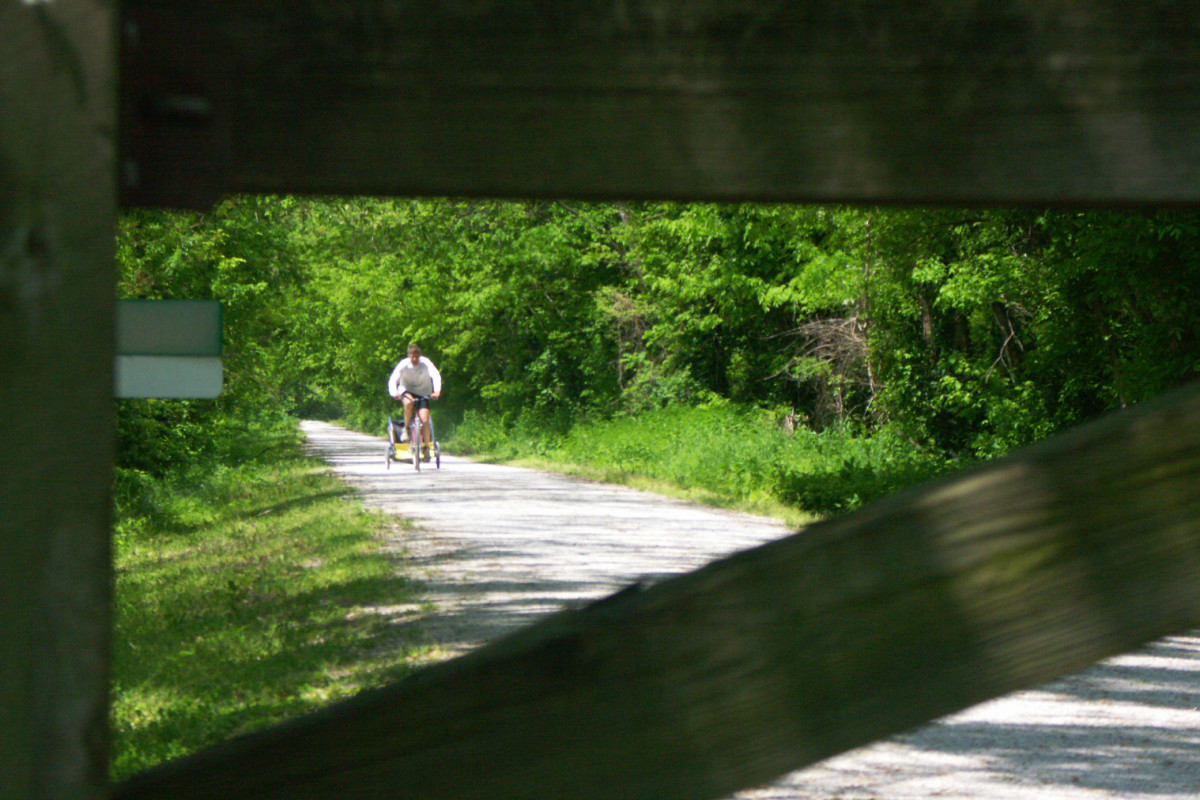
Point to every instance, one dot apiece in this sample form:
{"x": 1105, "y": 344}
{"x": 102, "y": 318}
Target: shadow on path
{"x": 497, "y": 547}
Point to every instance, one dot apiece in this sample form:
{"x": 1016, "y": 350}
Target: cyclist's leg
{"x": 425, "y": 431}
{"x": 414, "y": 442}
{"x": 426, "y": 428}
{"x": 407, "y": 399}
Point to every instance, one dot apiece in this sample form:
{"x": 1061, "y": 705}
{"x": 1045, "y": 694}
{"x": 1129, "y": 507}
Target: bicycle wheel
{"x": 414, "y": 443}
{"x": 434, "y": 448}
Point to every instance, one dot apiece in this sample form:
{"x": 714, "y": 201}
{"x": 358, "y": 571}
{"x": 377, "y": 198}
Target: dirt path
{"x": 497, "y": 547}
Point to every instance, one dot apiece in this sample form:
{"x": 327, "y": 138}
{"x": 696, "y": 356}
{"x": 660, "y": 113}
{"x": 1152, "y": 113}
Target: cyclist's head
{"x": 414, "y": 352}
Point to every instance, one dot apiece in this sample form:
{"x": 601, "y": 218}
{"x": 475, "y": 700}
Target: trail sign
{"x": 169, "y": 349}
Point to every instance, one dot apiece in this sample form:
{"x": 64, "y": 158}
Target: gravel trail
{"x": 496, "y": 547}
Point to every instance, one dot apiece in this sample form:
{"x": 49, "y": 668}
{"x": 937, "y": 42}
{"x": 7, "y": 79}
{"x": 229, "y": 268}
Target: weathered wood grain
{"x": 57, "y": 217}
{"x": 866, "y": 100}
{"x": 1037, "y": 565}
{"x": 694, "y": 687}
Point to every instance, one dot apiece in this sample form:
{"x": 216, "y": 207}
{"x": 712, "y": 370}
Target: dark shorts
{"x": 418, "y": 401}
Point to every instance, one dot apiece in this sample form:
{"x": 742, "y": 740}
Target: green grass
{"x": 245, "y": 595}
{"x": 719, "y": 453}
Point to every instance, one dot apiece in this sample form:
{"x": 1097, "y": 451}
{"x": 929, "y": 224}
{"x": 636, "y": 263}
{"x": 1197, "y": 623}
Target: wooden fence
{"x": 1035, "y": 566}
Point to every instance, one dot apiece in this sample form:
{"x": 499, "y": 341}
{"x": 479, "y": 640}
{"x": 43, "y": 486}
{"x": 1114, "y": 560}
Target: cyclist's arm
{"x": 394, "y": 381}
{"x": 435, "y": 376}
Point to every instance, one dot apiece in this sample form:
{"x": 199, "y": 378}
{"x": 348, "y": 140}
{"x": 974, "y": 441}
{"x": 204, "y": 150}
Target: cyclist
{"x": 415, "y": 381}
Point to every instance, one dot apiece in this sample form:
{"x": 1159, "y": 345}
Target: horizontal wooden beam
{"x": 1096, "y": 101}
{"x": 1034, "y": 566}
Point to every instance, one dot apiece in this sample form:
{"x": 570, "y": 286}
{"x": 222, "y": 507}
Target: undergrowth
{"x": 736, "y": 455}
{"x": 246, "y": 589}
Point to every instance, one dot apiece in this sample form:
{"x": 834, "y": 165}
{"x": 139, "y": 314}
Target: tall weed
{"x": 738, "y": 453}
{"x": 173, "y": 456}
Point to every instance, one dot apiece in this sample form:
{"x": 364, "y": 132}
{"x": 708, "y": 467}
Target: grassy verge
{"x": 245, "y": 594}
{"x": 758, "y": 502}
{"x": 726, "y": 455}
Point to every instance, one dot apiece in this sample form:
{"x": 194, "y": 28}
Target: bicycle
{"x": 399, "y": 450}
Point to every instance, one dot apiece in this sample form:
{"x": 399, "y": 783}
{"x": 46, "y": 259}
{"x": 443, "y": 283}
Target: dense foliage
{"x": 961, "y": 333}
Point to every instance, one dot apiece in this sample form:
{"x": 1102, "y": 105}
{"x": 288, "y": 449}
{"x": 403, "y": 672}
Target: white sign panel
{"x": 168, "y": 377}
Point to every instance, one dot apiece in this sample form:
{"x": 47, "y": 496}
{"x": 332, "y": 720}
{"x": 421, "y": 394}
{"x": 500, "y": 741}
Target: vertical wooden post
{"x": 57, "y": 215}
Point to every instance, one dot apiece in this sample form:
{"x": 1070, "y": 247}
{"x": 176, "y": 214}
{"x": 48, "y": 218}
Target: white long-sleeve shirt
{"x": 422, "y": 380}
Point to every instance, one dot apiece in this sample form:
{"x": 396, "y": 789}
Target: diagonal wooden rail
{"x": 1034, "y": 566}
